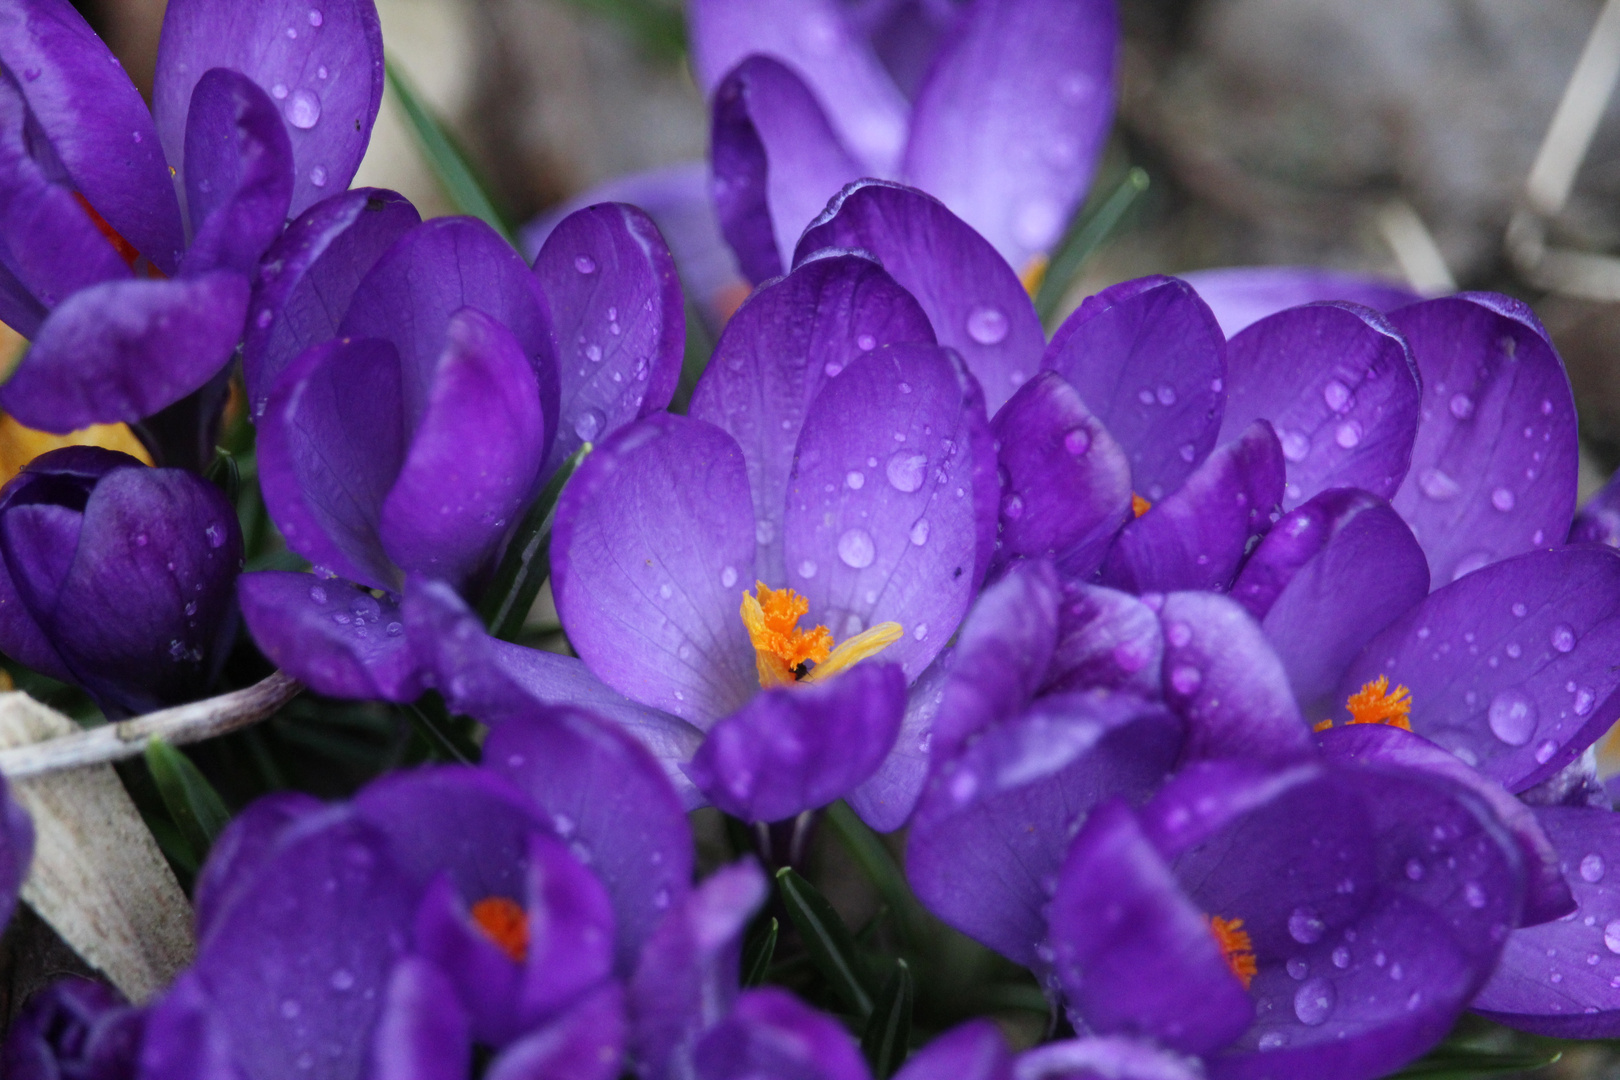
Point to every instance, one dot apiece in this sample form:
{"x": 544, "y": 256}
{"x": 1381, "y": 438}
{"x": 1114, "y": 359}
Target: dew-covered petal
{"x": 776, "y": 162}
{"x": 975, "y": 1050}
{"x": 336, "y": 638}
{"x": 1132, "y": 953}
{"x": 1106, "y": 639}
{"x": 798, "y": 748}
{"x": 815, "y": 40}
{"x": 769, "y": 1032}
{"x": 1012, "y": 116}
{"x": 309, "y": 275}
{"x": 652, "y": 551}
{"x": 1067, "y": 486}
{"x": 1223, "y": 677}
{"x": 975, "y": 301}
{"x": 1197, "y": 536}
{"x": 243, "y": 849}
{"x": 1493, "y": 470}
{"x": 238, "y": 174}
{"x": 585, "y": 1043}
{"x": 1510, "y": 668}
{"x": 991, "y": 829}
{"x": 1340, "y": 387}
{"x": 1243, "y": 295}
{"x": 1330, "y": 575}
{"x": 122, "y": 350}
{"x": 1148, "y": 359}
{"x": 890, "y": 508}
{"x": 321, "y": 61}
{"x": 1114, "y": 1056}
{"x": 423, "y": 1032}
{"x": 620, "y": 321}
{"x": 885, "y": 799}
{"x": 777, "y": 352}
{"x": 324, "y": 474}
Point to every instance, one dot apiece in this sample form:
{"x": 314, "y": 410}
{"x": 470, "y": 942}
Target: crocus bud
{"x": 74, "y": 1029}
{"x": 117, "y": 577}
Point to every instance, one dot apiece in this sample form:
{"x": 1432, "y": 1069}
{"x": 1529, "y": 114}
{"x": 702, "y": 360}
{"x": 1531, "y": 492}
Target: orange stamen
{"x": 504, "y": 923}
{"x": 783, "y": 653}
{"x": 1139, "y": 505}
{"x": 1375, "y": 703}
{"x": 1034, "y": 273}
{"x": 1236, "y": 948}
{"x": 125, "y": 249}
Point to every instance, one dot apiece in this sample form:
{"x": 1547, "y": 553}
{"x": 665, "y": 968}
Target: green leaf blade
{"x": 198, "y": 811}
{"x": 827, "y": 939}
{"x": 526, "y": 565}
{"x": 888, "y": 1033}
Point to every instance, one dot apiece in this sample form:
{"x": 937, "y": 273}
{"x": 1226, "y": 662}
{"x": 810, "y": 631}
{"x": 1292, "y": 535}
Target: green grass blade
{"x": 527, "y": 562}
{"x": 198, "y": 811}
{"x": 1085, "y": 236}
{"x": 827, "y": 939}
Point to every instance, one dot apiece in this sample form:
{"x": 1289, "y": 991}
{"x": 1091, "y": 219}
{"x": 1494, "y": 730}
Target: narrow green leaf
{"x": 876, "y": 860}
{"x": 888, "y": 1033}
{"x": 191, "y": 800}
{"x": 827, "y": 939}
{"x": 758, "y": 952}
{"x": 450, "y": 166}
{"x": 527, "y": 563}
{"x": 1086, "y": 234}
{"x": 1456, "y": 1063}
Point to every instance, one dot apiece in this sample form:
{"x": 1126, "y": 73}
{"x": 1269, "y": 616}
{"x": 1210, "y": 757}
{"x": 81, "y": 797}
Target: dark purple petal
{"x": 620, "y": 320}
{"x": 322, "y": 65}
{"x": 885, "y": 799}
{"x": 814, "y": 38}
{"x": 991, "y": 829}
{"x": 975, "y": 1050}
{"x": 777, "y": 352}
{"x": 1132, "y": 953}
{"x": 585, "y": 1043}
{"x": 1196, "y": 537}
{"x": 73, "y": 1029}
{"x": 18, "y": 307}
{"x": 238, "y": 174}
{"x": 606, "y": 794}
{"x": 335, "y": 637}
{"x": 1242, "y": 295}
{"x": 1493, "y": 470}
{"x": 652, "y": 551}
{"x": 325, "y": 475}
{"x": 1510, "y": 668}
{"x": 1013, "y": 114}
{"x": 434, "y": 271}
{"x": 242, "y": 850}
{"x": 776, "y": 162}
{"x": 890, "y": 500}
{"x": 21, "y": 637}
{"x": 1113, "y": 1056}
{"x": 687, "y": 978}
{"x": 772, "y": 1033}
{"x": 16, "y": 852}
{"x": 975, "y": 301}
{"x": 423, "y": 1032}
{"x": 1066, "y": 482}
{"x": 797, "y": 748}
{"x": 1106, "y": 639}
{"x": 1560, "y": 978}
{"x": 1148, "y": 359}
{"x": 309, "y": 275}
{"x": 98, "y": 127}
{"x": 122, "y": 350}
{"x": 473, "y": 457}
{"x": 1340, "y": 387}
{"x": 1598, "y": 522}
{"x": 1329, "y": 576}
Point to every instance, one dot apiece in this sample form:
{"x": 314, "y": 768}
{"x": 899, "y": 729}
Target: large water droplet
{"x": 1305, "y": 926}
{"x": 1437, "y": 485}
{"x": 1295, "y": 446}
{"x": 728, "y": 577}
{"x": 856, "y": 549}
{"x": 588, "y": 423}
{"x": 317, "y": 176}
{"x": 987, "y": 325}
{"x": 1502, "y": 499}
{"x": 1314, "y": 1001}
{"x": 906, "y": 470}
{"x": 1348, "y": 435}
{"x": 1512, "y": 717}
{"x": 919, "y": 532}
{"x": 1337, "y": 395}
{"x": 1592, "y": 868}
{"x": 1297, "y": 968}
{"x": 1462, "y": 406}
{"x": 315, "y": 18}
{"x": 303, "y": 110}
{"x": 807, "y": 569}
{"x": 1563, "y": 637}
{"x": 585, "y": 264}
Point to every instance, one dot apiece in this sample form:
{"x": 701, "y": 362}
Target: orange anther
{"x": 1375, "y": 703}
{"x": 504, "y": 923}
{"x": 1236, "y": 948}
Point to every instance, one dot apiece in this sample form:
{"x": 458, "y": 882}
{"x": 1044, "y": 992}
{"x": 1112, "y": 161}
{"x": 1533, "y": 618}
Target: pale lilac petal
{"x": 1243, "y": 295}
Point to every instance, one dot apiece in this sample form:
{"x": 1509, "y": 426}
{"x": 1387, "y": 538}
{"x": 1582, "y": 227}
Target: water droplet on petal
{"x": 1348, "y": 435}
{"x": 342, "y": 979}
{"x": 921, "y": 633}
{"x": 1502, "y": 499}
{"x": 1314, "y": 1001}
{"x": 987, "y": 325}
{"x": 1186, "y": 679}
{"x": 666, "y": 591}
{"x": 1611, "y": 936}
{"x": 1437, "y": 485}
{"x": 856, "y": 549}
{"x": 1166, "y": 395}
{"x": 1473, "y": 895}
{"x": 1297, "y": 968}
{"x": 807, "y": 569}
{"x": 1415, "y": 870}
{"x": 1077, "y": 442}
{"x": 1337, "y": 395}
{"x": 1271, "y": 1040}
{"x": 1592, "y": 868}
{"x": 588, "y": 423}
{"x": 1462, "y": 406}
{"x": 317, "y": 594}
{"x": 317, "y": 176}
{"x": 1305, "y": 926}
{"x": 906, "y": 470}
{"x": 303, "y": 110}
{"x": 1545, "y": 751}
{"x": 856, "y": 480}
{"x": 1563, "y": 637}
{"x": 1341, "y": 957}
{"x": 1512, "y": 717}
{"x": 919, "y": 532}
{"x": 1295, "y": 446}
{"x": 279, "y": 91}
{"x": 728, "y": 577}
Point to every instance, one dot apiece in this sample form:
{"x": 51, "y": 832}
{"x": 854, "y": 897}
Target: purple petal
{"x": 21, "y": 636}
{"x": 585, "y": 1043}
{"x": 1243, "y": 295}
{"x": 607, "y": 794}
{"x": 1067, "y": 483}
{"x": 310, "y": 274}
{"x": 1106, "y": 639}
{"x": 619, "y": 317}
{"x": 73, "y": 1028}
{"x": 18, "y": 307}
{"x": 772, "y": 1033}
{"x": 1340, "y": 387}
{"x": 1598, "y": 522}
{"x": 243, "y": 849}
{"x": 336, "y": 638}
{"x": 423, "y": 1032}
{"x": 16, "y": 852}
{"x": 1147, "y": 357}
{"x": 238, "y": 174}
{"x": 1510, "y": 668}
{"x": 1113, "y": 1056}
{"x": 434, "y": 271}
{"x": 186, "y": 1040}
{"x": 887, "y": 506}
{"x": 776, "y": 162}
{"x": 473, "y": 458}
{"x": 652, "y": 551}
{"x": 975, "y": 1050}
{"x": 1493, "y": 470}
{"x": 797, "y": 748}
{"x": 323, "y": 66}
{"x": 98, "y": 127}
{"x": 975, "y": 301}
{"x": 779, "y": 350}
{"x": 324, "y": 475}
{"x": 991, "y": 829}
{"x": 122, "y": 350}
{"x": 1013, "y": 114}
{"x": 813, "y": 37}
{"x": 1221, "y": 675}
{"x": 1132, "y": 953}
{"x": 1197, "y": 536}
{"x": 885, "y": 799}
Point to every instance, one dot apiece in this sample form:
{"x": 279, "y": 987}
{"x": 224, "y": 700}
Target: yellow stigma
{"x": 783, "y": 653}
{"x": 1375, "y": 703}
{"x": 1034, "y": 274}
{"x": 1139, "y": 505}
{"x": 1236, "y": 948}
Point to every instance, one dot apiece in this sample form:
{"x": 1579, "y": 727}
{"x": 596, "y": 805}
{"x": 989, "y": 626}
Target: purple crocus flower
{"x": 74, "y": 1029}
{"x": 118, "y": 577}
{"x": 131, "y": 296}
